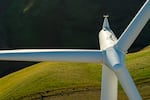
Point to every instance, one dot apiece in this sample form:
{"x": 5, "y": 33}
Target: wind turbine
{"x": 111, "y": 55}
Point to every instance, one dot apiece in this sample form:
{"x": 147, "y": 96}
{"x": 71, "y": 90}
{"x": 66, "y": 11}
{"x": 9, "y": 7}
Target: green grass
{"x": 49, "y": 78}
{"x": 139, "y": 66}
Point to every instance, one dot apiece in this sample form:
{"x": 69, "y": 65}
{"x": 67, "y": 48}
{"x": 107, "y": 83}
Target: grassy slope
{"x": 45, "y": 77}
{"x": 48, "y": 76}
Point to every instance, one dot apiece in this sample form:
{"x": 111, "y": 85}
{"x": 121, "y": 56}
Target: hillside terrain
{"x": 64, "y": 81}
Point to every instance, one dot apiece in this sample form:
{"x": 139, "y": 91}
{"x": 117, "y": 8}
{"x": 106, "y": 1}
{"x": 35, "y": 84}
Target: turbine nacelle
{"x": 114, "y": 66}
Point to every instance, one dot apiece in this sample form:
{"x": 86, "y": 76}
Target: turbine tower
{"x": 109, "y": 79}
{"x": 111, "y": 55}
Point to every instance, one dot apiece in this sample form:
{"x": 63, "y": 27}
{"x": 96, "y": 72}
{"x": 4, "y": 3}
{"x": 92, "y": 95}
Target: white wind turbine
{"x": 111, "y": 55}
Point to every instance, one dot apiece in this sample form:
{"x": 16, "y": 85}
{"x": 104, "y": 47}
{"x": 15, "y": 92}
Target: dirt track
{"x": 83, "y": 95}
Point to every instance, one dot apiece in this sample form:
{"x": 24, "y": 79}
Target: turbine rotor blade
{"x": 127, "y": 83}
{"x": 134, "y": 28}
{"x": 114, "y": 59}
{"x": 63, "y": 55}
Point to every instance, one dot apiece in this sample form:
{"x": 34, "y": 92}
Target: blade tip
{"x": 106, "y": 16}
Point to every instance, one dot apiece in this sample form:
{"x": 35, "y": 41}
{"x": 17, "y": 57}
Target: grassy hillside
{"x": 55, "y": 78}
{"x": 49, "y": 76}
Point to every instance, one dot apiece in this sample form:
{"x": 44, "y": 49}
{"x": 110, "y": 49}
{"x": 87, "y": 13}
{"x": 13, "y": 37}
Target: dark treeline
{"x": 62, "y": 24}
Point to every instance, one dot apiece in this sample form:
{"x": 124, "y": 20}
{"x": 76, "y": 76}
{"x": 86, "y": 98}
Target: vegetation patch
{"x": 59, "y": 80}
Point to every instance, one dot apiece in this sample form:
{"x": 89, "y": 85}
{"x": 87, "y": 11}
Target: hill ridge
{"x": 59, "y": 78}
